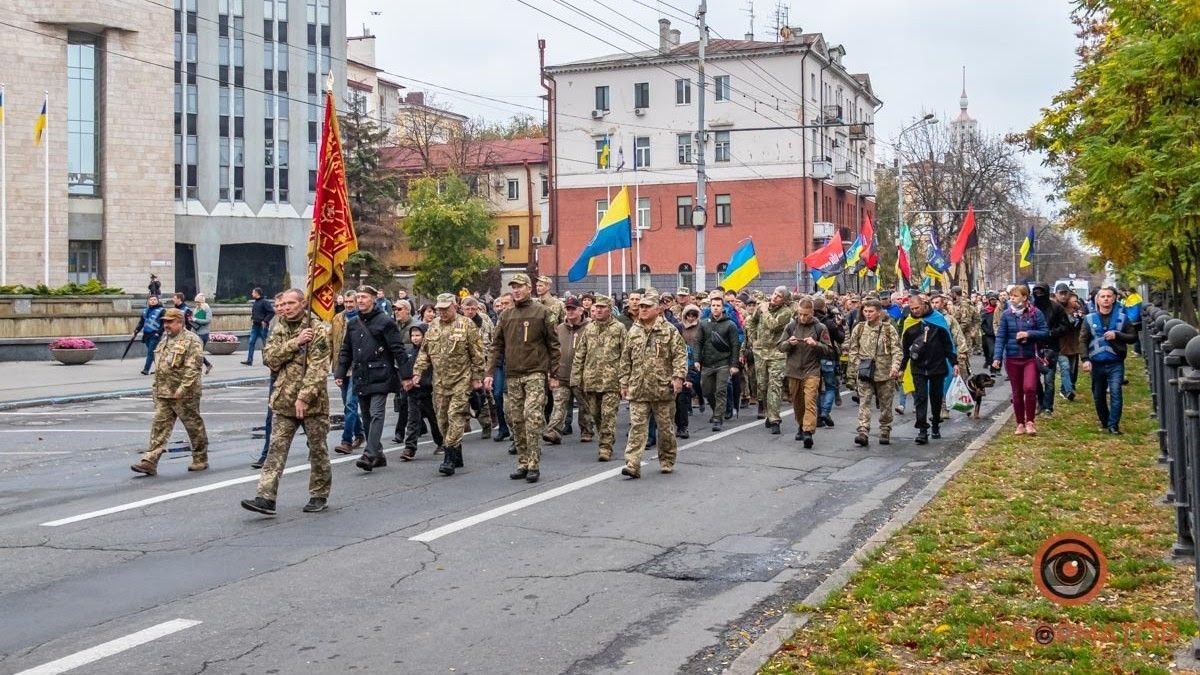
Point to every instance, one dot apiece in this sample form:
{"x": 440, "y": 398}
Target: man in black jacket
{"x": 373, "y": 348}
{"x": 1057, "y": 323}
{"x": 719, "y": 348}
{"x": 261, "y": 313}
{"x": 929, "y": 349}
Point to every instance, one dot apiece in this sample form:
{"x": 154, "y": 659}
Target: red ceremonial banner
{"x": 332, "y": 238}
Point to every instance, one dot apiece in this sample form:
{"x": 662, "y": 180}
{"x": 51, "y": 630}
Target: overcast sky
{"x": 1018, "y": 53}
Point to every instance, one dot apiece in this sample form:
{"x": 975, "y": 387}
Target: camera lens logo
{"x": 1070, "y": 569}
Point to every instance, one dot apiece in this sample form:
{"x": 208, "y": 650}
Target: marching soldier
{"x": 559, "y": 424}
{"x": 653, "y": 366}
{"x": 482, "y": 400}
{"x": 873, "y": 357}
{"x": 961, "y": 346}
{"x": 968, "y": 319}
{"x": 553, "y": 304}
{"x": 774, "y": 317}
{"x": 453, "y": 346}
{"x": 298, "y": 353}
{"x": 176, "y": 394}
{"x": 595, "y": 371}
{"x": 526, "y": 343}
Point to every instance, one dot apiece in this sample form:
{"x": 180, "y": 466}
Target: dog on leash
{"x": 978, "y": 385}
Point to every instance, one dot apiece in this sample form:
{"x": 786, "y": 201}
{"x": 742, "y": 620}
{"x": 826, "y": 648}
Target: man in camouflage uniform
{"x": 595, "y": 371}
{"x": 569, "y": 332}
{"x": 774, "y": 317}
{"x": 653, "y": 365}
{"x": 483, "y": 401}
{"x": 961, "y": 346}
{"x": 298, "y": 353}
{"x": 453, "y": 346}
{"x": 180, "y": 357}
{"x": 756, "y": 348}
{"x": 553, "y": 305}
{"x": 967, "y": 315}
{"x": 527, "y": 344}
{"x": 874, "y": 339}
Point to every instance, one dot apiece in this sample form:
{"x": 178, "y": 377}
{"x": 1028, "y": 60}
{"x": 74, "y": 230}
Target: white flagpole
{"x": 637, "y": 187}
{"x": 3, "y": 193}
{"x": 608, "y": 199}
{"x": 46, "y": 202}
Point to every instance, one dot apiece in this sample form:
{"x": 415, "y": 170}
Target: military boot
{"x": 456, "y": 456}
{"x": 197, "y": 465}
{"x": 552, "y": 437}
{"x": 446, "y": 468}
{"x": 567, "y": 429}
{"x": 762, "y": 410}
{"x": 861, "y": 439}
{"x": 145, "y": 466}
{"x": 260, "y": 505}
{"x": 885, "y": 437}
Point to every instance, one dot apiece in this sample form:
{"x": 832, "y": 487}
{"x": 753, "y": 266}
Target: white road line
{"x": 68, "y": 413}
{"x": 48, "y": 430}
{"x": 111, "y": 647}
{"x": 451, "y": 528}
{"x": 158, "y": 499}
{"x": 34, "y": 452}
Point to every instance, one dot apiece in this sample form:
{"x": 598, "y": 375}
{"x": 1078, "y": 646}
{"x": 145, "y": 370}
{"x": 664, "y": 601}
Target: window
{"x": 641, "y": 152}
{"x": 683, "y": 92}
{"x": 82, "y": 145}
{"x": 514, "y": 236}
{"x": 83, "y": 260}
{"x": 721, "y": 87}
{"x": 545, "y": 185}
{"x": 601, "y": 207}
{"x": 724, "y": 210}
{"x": 602, "y": 98}
{"x": 601, "y": 161}
{"x": 721, "y": 149}
{"x": 812, "y": 87}
{"x": 641, "y": 95}
{"x": 514, "y": 189}
{"x": 722, "y": 268}
{"x": 643, "y": 213}
{"x": 687, "y": 278}
{"x": 683, "y": 212}
{"x": 684, "y": 144}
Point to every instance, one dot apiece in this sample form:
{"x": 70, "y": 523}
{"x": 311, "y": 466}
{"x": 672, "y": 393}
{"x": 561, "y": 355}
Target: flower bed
{"x": 222, "y": 344}
{"x": 72, "y": 343}
{"x": 222, "y": 337}
{"x": 73, "y": 351}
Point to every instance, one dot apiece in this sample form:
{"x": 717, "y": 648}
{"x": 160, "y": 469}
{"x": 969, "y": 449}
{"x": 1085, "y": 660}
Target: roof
{"x": 691, "y": 50}
{"x": 483, "y": 154}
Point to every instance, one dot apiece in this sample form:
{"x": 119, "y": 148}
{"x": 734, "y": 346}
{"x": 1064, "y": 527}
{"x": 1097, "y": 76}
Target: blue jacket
{"x": 1032, "y": 321}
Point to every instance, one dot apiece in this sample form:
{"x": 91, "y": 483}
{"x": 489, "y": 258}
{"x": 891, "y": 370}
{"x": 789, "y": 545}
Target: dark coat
{"x": 261, "y": 312}
{"x": 1031, "y": 321}
{"x": 374, "y": 363}
{"x": 718, "y": 343}
{"x": 935, "y": 349}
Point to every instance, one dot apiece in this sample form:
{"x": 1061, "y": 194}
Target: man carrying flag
{"x": 611, "y": 235}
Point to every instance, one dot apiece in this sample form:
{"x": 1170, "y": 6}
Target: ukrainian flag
{"x": 39, "y": 126}
{"x": 1027, "y": 249}
{"x": 1, "y": 105}
{"x": 743, "y": 267}
{"x": 611, "y": 235}
{"x": 604, "y": 153}
{"x": 938, "y": 322}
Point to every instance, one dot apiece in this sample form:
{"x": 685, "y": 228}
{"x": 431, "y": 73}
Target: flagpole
{"x": 608, "y": 199}
{"x": 46, "y": 201}
{"x": 3, "y": 193}
{"x": 637, "y": 193}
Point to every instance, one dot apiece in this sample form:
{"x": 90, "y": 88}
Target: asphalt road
{"x": 411, "y": 572}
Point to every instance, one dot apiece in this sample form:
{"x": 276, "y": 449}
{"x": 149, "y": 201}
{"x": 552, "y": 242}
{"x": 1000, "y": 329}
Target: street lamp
{"x": 928, "y": 119}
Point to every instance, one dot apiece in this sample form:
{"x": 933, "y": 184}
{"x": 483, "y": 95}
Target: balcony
{"x": 831, "y": 114}
{"x": 845, "y": 179}
{"x": 866, "y": 188}
{"x": 822, "y": 231}
{"x": 822, "y": 168}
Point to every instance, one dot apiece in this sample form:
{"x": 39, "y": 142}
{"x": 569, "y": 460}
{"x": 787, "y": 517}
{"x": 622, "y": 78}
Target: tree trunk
{"x": 1181, "y": 285}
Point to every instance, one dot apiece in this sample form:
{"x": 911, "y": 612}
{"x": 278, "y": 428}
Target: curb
{"x": 762, "y": 649}
{"x": 102, "y": 395}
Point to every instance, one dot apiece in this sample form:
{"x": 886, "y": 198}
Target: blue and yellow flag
{"x": 743, "y": 267}
{"x": 935, "y": 321}
{"x": 612, "y": 234}
{"x": 39, "y": 126}
{"x": 1027, "y": 248}
{"x": 605, "y": 150}
{"x": 1, "y": 106}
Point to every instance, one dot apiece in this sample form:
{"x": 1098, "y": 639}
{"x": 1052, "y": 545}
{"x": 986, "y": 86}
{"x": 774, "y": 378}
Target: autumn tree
{"x": 451, "y": 228}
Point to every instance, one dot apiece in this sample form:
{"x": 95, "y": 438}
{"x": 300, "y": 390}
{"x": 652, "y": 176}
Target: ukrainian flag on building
{"x": 743, "y": 267}
{"x": 39, "y": 126}
{"x": 611, "y": 235}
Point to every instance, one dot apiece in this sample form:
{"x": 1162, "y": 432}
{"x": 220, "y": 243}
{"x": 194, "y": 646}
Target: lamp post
{"x": 926, "y": 120}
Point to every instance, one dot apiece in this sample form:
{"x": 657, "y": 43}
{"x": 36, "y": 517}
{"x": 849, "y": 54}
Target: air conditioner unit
{"x": 536, "y": 241}
{"x": 639, "y": 112}
{"x": 598, "y": 114}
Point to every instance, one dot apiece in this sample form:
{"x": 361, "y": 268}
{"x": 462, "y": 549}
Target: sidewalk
{"x": 29, "y": 383}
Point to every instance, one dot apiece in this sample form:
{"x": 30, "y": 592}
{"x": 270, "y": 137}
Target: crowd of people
{"x": 526, "y": 365}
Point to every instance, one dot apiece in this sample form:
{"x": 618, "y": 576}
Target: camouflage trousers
{"x": 283, "y": 430}
{"x": 760, "y": 376}
{"x": 525, "y": 410}
{"x": 451, "y": 406}
{"x": 639, "y": 429}
{"x": 562, "y": 406}
{"x": 772, "y": 372}
{"x": 751, "y": 373}
{"x": 602, "y": 409}
{"x": 876, "y": 394}
{"x": 187, "y": 411}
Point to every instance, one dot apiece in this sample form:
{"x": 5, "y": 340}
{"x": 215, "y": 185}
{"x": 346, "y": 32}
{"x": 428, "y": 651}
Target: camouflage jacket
{"x": 770, "y": 325}
{"x": 598, "y": 351}
{"x": 752, "y": 327}
{"x": 455, "y": 351}
{"x": 652, "y": 358}
{"x": 554, "y": 307}
{"x": 179, "y": 360}
{"x": 961, "y": 346}
{"x": 967, "y": 315}
{"x": 880, "y": 343}
{"x": 300, "y": 371}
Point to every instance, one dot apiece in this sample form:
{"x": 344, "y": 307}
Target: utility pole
{"x": 700, "y": 213}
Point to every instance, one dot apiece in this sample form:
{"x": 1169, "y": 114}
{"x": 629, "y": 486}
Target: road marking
{"x": 66, "y": 413}
{"x": 47, "y": 430}
{"x": 170, "y": 496}
{"x": 451, "y": 528}
{"x": 35, "y": 452}
{"x": 111, "y": 647}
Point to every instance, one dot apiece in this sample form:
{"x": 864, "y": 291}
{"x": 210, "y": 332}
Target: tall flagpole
{"x": 637, "y": 186}
{"x": 3, "y": 193}
{"x": 46, "y": 201}
{"x": 608, "y": 200}
{"x": 624, "y": 253}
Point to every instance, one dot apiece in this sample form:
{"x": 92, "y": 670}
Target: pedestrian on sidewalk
{"x": 189, "y": 322}
{"x": 1022, "y": 329}
{"x": 929, "y": 356}
{"x": 1104, "y": 341}
{"x": 453, "y": 348}
{"x": 176, "y": 395}
{"x": 353, "y": 435}
{"x": 155, "y": 286}
{"x": 298, "y": 352}
{"x": 1056, "y": 326}
{"x": 151, "y": 328}
{"x": 1068, "y": 343}
{"x": 371, "y": 354}
{"x": 202, "y": 319}
{"x": 873, "y": 354}
{"x": 806, "y": 342}
{"x": 653, "y": 365}
{"x": 261, "y": 313}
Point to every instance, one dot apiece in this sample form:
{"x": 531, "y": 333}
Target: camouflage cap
{"x": 601, "y": 299}
{"x": 445, "y": 300}
{"x": 648, "y": 300}
{"x": 545, "y": 279}
{"x": 173, "y": 314}
{"x": 682, "y": 291}
{"x": 519, "y": 279}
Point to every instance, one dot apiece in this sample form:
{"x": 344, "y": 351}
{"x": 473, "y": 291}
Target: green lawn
{"x": 953, "y": 591}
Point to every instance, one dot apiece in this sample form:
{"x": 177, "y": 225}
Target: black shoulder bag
{"x": 866, "y": 367}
